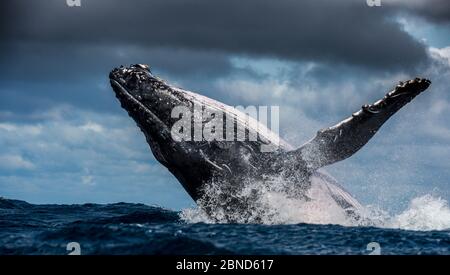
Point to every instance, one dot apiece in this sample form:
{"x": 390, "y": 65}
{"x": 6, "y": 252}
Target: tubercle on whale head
{"x": 132, "y": 79}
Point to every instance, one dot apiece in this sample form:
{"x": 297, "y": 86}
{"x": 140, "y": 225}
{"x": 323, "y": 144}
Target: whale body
{"x": 229, "y": 175}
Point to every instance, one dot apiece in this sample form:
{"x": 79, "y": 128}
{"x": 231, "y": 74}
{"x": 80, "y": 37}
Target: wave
{"x": 424, "y": 213}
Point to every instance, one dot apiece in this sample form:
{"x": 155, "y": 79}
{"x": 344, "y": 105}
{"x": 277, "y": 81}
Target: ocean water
{"x": 124, "y": 228}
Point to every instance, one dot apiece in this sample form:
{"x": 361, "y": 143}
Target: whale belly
{"x": 323, "y": 185}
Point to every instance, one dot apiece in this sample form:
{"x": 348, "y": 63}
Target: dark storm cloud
{"x": 329, "y": 31}
{"x": 38, "y": 75}
{"x": 40, "y": 61}
{"x": 437, "y": 11}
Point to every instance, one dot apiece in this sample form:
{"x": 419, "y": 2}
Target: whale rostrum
{"x": 232, "y": 165}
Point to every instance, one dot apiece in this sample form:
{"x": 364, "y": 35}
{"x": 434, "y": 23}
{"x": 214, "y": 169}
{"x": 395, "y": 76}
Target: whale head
{"x": 150, "y": 101}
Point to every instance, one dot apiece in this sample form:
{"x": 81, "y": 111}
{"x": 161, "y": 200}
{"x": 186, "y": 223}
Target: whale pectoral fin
{"x": 347, "y": 137}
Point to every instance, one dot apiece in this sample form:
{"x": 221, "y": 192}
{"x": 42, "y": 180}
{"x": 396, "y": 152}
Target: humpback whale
{"x": 215, "y": 173}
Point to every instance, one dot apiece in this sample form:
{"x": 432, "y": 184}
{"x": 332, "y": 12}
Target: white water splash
{"x": 276, "y": 207}
{"x": 424, "y": 213}
{"x": 268, "y": 203}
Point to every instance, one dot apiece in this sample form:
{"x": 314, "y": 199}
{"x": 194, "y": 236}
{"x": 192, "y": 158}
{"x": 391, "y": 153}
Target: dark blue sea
{"x": 124, "y": 228}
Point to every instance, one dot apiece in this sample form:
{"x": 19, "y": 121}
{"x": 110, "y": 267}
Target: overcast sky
{"x": 65, "y": 139}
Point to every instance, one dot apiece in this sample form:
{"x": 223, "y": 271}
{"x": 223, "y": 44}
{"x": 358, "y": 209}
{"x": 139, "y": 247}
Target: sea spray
{"x": 424, "y": 213}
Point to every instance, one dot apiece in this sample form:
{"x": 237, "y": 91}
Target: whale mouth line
{"x": 122, "y": 92}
